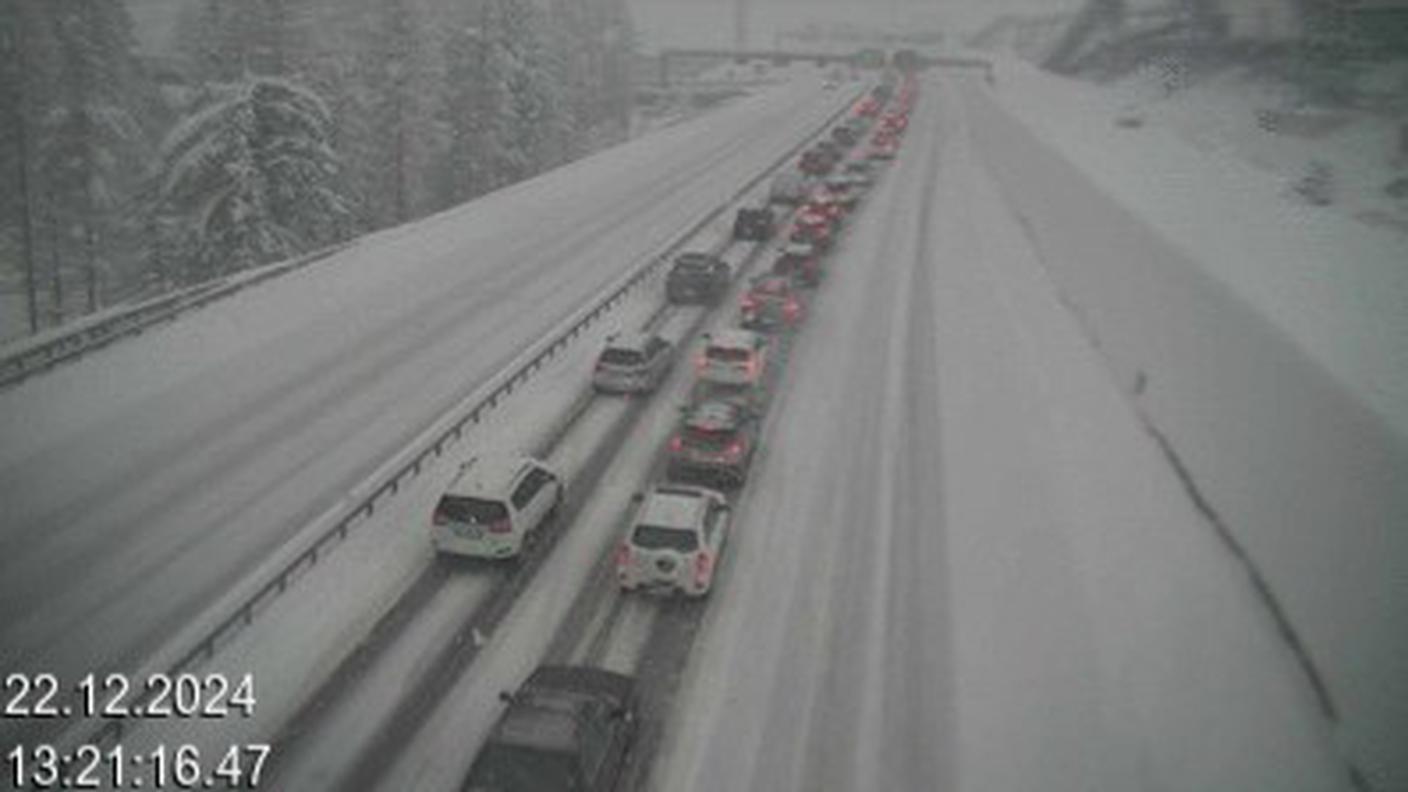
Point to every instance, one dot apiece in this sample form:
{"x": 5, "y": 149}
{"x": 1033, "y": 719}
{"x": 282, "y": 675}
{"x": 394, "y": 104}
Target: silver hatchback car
{"x": 633, "y": 363}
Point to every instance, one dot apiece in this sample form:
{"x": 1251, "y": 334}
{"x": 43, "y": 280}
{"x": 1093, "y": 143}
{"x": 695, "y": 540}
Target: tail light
{"x": 701, "y": 362}
{"x": 791, "y": 308}
{"x": 500, "y": 527}
{"x": 735, "y": 448}
{"x": 676, "y": 443}
{"x": 748, "y": 303}
{"x": 750, "y": 366}
{"x": 623, "y": 556}
{"x": 703, "y": 563}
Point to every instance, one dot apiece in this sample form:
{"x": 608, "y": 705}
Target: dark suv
{"x": 697, "y": 278}
{"x": 567, "y": 728}
{"x": 714, "y": 445}
{"x": 753, "y": 225}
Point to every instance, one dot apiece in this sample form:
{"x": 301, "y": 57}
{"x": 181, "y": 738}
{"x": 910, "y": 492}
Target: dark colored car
{"x": 844, "y": 135}
{"x": 800, "y": 261}
{"x": 697, "y": 278}
{"x": 714, "y": 445}
{"x": 754, "y": 225}
{"x": 567, "y": 728}
{"x": 818, "y": 161}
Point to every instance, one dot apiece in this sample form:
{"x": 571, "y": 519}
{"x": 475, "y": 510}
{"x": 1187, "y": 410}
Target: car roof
{"x": 735, "y": 337}
{"x": 633, "y": 340}
{"x": 487, "y": 475}
{"x": 713, "y": 416}
{"x": 582, "y": 679}
{"x": 696, "y": 258}
{"x": 674, "y": 507}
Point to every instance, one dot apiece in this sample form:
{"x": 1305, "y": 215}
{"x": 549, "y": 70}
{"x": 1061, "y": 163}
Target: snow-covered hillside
{"x": 1264, "y": 340}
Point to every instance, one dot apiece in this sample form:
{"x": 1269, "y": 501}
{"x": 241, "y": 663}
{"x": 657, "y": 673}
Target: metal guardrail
{"x": 390, "y": 482}
{"x": 30, "y": 358}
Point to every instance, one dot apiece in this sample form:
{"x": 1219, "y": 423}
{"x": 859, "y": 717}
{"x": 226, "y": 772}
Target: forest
{"x": 271, "y": 128}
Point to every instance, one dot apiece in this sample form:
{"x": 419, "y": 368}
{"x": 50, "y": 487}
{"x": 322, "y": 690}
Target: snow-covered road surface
{"x": 961, "y": 561}
{"x": 963, "y": 564}
{"x": 140, "y": 483}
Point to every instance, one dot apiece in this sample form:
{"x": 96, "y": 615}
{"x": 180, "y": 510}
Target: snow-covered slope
{"x": 1268, "y": 343}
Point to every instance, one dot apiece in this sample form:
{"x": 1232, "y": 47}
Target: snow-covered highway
{"x": 962, "y": 559}
{"x": 151, "y": 477}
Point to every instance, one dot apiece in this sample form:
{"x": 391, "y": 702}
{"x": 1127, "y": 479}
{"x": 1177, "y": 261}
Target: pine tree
{"x": 251, "y": 177}
{"x": 223, "y": 40}
{"x": 86, "y": 95}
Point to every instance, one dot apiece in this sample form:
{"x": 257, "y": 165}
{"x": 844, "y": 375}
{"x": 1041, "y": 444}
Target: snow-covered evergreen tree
{"x": 88, "y": 121}
{"x": 251, "y": 177}
{"x": 223, "y": 40}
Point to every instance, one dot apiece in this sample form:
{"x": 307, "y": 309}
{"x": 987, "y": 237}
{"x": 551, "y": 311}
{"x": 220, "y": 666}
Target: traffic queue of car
{"x": 494, "y": 507}
{"x": 679, "y": 528}
{"x": 571, "y": 727}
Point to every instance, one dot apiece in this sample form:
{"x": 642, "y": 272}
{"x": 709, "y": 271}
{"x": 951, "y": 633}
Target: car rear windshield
{"x": 710, "y": 439}
{"x": 656, "y": 537}
{"x": 728, "y": 354}
{"x": 621, "y": 357}
{"x": 695, "y": 261}
{"x": 512, "y": 768}
{"x": 471, "y": 510}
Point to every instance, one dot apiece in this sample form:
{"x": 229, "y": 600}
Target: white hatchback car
{"x": 734, "y": 357}
{"x": 675, "y": 541}
{"x": 493, "y": 505}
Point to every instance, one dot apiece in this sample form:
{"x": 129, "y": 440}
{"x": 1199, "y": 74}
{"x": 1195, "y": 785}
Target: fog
{"x": 665, "y": 23}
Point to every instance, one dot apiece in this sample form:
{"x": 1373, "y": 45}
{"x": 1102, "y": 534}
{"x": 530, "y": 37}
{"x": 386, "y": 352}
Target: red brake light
{"x": 701, "y": 362}
{"x": 702, "y": 564}
{"x": 623, "y": 555}
{"x": 500, "y": 527}
{"x": 676, "y": 443}
{"x": 735, "y": 448}
{"x": 748, "y": 302}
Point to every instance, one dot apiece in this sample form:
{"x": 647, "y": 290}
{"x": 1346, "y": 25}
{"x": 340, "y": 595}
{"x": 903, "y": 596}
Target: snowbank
{"x": 1265, "y": 341}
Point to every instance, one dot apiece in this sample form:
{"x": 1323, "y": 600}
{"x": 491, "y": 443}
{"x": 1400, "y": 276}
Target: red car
{"x": 825, "y": 202}
{"x": 770, "y": 304}
{"x": 894, "y": 123}
{"x": 883, "y": 148}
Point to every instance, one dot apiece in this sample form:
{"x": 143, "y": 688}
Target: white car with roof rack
{"x": 632, "y": 362}
{"x": 675, "y": 541}
{"x": 493, "y": 505}
{"x": 733, "y": 357}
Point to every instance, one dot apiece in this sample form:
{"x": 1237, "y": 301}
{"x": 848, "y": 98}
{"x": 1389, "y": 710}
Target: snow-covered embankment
{"x": 1266, "y": 346}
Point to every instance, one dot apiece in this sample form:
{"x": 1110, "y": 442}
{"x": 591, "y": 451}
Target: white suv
{"x": 734, "y": 357}
{"x": 675, "y": 541}
{"x": 493, "y": 504}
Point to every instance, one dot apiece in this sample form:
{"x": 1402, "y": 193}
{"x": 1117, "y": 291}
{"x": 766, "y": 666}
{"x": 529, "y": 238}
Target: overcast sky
{"x": 710, "y": 22}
